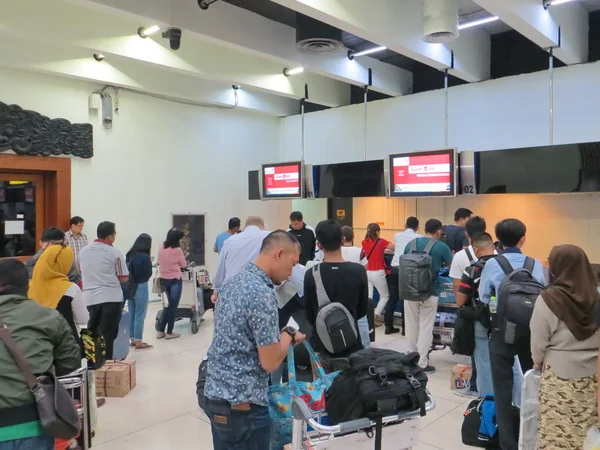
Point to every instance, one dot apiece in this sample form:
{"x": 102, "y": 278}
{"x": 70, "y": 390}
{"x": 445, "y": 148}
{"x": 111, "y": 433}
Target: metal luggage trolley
{"x": 77, "y": 385}
{"x": 401, "y": 431}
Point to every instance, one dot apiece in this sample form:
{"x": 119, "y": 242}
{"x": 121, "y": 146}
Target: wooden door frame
{"x": 57, "y": 178}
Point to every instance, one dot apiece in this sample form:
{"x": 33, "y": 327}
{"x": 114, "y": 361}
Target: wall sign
{"x": 30, "y": 133}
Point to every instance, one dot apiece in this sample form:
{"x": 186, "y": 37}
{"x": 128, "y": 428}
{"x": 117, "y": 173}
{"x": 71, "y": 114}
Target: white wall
{"x": 506, "y": 113}
{"x": 159, "y": 158}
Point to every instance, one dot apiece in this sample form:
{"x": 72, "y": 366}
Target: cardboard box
{"x": 115, "y": 378}
{"x": 307, "y": 445}
{"x": 460, "y": 377}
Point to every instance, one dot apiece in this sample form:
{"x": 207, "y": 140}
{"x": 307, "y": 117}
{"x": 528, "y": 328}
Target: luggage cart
{"x": 400, "y": 432}
{"x": 77, "y": 385}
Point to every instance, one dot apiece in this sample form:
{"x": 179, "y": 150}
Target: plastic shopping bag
{"x": 592, "y": 440}
{"x": 530, "y": 405}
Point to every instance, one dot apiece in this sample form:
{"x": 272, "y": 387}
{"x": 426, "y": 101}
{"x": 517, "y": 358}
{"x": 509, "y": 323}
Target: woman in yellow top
{"x": 50, "y": 286}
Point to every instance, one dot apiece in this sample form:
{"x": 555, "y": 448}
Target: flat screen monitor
{"x": 282, "y": 180}
{"x": 422, "y": 174}
{"x": 350, "y": 180}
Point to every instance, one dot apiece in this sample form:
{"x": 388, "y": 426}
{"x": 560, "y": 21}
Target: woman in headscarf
{"x": 50, "y": 286}
{"x": 564, "y": 345}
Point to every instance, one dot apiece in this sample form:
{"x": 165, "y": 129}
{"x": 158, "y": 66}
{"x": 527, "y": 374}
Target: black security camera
{"x": 173, "y": 34}
{"x": 204, "y": 4}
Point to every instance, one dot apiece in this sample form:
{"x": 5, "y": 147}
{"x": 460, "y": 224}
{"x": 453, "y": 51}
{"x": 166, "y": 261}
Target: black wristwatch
{"x": 291, "y": 331}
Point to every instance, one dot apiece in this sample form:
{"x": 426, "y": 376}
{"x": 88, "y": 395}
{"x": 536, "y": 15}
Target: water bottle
{"x": 493, "y": 304}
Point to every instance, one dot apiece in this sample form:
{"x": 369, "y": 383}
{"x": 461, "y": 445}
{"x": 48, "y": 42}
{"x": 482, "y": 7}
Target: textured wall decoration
{"x": 30, "y": 133}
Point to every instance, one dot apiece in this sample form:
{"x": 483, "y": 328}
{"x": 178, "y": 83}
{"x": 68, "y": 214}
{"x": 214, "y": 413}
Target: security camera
{"x": 173, "y": 34}
{"x": 204, "y": 4}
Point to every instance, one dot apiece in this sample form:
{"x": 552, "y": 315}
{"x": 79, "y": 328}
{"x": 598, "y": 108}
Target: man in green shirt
{"x": 420, "y": 316}
{"x": 47, "y": 342}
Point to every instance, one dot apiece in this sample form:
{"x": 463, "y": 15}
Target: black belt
{"x": 18, "y": 415}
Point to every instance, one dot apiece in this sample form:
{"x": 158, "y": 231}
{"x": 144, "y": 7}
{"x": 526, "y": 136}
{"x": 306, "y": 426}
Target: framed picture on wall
{"x": 193, "y": 243}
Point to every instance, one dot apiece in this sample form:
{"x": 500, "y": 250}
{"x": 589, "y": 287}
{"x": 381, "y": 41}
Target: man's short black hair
{"x": 76, "y": 220}
{"x": 412, "y": 223}
{"x": 296, "y": 216}
{"x": 53, "y": 234}
{"x": 14, "y": 278}
{"x": 475, "y": 225}
{"x": 329, "y": 235}
{"x": 432, "y": 226}
{"x": 348, "y": 233}
{"x": 510, "y": 232}
{"x": 234, "y": 222}
{"x": 106, "y": 229}
{"x": 278, "y": 238}
{"x": 482, "y": 240}
{"x": 462, "y": 213}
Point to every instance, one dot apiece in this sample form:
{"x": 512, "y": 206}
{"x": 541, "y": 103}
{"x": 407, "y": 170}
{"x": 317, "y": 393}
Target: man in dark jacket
{"x": 305, "y": 235}
{"x": 53, "y": 236}
{"x": 454, "y": 235}
{"x": 45, "y": 339}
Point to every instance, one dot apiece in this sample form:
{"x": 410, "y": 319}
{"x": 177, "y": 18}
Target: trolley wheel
{"x": 195, "y": 326}
{"x": 159, "y": 315}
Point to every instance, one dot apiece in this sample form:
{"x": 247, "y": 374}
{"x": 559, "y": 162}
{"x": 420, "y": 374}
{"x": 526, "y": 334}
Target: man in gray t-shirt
{"x": 103, "y": 269}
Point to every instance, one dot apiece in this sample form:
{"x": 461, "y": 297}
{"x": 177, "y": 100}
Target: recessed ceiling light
{"x": 144, "y": 32}
{"x": 353, "y": 54}
{"x": 288, "y": 72}
{"x": 99, "y": 57}
{"x": 478, "y": 22}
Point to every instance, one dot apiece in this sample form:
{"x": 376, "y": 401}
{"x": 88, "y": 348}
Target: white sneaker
{"x": 466, "y": 393}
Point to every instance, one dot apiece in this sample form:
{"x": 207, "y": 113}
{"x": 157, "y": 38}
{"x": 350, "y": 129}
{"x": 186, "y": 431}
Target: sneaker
{"x": 466, "y": 393}
{"x": 172, "y": 336}
{"x": 160, "y": 335}
{"x": 429, "y": 370}
{"x": 143, "y": 346}
{"x": 391, "y": 330}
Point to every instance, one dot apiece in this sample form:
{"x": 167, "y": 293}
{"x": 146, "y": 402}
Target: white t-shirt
{"x": 101, "y": 266}
{"x": 401, "y": 240}
{"x": 350, "y": 254}
{"x": 460, "y": 262}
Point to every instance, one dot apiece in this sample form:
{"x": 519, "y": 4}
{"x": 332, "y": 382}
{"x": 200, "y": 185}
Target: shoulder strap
{"x": 322, "y": 297}
{"x": 469, "y": 255}
{"x": 505, "y": 264}
{"x": 373, "y": 248}
{"x": 18, "y": 356}
{"x": 429, "y": 246}
{"x": 529, "y": 264}
{"x": 413, "y": 245}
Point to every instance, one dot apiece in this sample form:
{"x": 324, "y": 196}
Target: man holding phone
{"x": 248, "y": 345}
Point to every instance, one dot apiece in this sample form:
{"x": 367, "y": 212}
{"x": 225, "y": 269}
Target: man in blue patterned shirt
{"x": 248, "y": 345}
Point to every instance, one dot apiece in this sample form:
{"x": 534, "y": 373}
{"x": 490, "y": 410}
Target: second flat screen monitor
{"x": 423, "y": 174}
{"x": 282, "y": 180}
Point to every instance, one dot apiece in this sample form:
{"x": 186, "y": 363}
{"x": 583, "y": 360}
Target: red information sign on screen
{"x": 282, "y": 180}
{"x": 422, "y": 173}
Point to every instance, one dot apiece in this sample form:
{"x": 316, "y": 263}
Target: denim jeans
{"x": 484, "y": 366}
{"x": 238, "y": 430}
{"x": 34, "y": 443}
{"x": 173, "y": 292}
{"x": 138, "y": 306}
{"x": 363, "y": 329}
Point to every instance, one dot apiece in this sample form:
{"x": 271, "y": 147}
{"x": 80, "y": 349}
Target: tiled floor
{"x": 162, "y": 412}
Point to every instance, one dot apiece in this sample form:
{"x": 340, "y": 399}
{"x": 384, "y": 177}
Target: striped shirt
{"x": 76, "y": 242}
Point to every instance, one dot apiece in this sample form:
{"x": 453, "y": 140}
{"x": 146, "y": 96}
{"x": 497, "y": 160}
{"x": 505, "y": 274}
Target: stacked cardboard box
{"x": 115, "y": 378}
{"x": 460, "y": 377}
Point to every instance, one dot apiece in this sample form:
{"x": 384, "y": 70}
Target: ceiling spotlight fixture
{"x": 144, "y": 32}
{"x": 352, "y": 54}
{"x": 98, "y": 57}
{"x": 173, "y": 34}
{"x": 236, "y": 87}
{"x": 288, "y": 72}
{"x": 478, "y": 22}
{"x": 554, "y": 2}
{"x": 204, "y": 4}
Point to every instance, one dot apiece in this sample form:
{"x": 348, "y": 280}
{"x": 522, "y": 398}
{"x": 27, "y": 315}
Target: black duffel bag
{"x": 377, "y": 383}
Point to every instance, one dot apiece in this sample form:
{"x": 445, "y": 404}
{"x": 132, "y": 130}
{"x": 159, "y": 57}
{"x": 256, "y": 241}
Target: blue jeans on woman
{"x": 33, "y": 443}
{"x": 172, "y": 290}
{"x": 138, "y": 307}
{"x": 238, "y": 430}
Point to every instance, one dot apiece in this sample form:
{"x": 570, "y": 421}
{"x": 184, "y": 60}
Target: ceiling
{"x": 248, "y": 43}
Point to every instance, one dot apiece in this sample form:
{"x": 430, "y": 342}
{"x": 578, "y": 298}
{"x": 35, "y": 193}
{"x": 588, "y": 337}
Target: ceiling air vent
{"x": 317, "y": 38}
{"x": 440, "y": 21}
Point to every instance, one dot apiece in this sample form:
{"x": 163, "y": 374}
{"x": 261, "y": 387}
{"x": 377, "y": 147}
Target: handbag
{"x": 55, "y": 407}
{"x": 281, "y": 397}
{"x": 157, "y": 287}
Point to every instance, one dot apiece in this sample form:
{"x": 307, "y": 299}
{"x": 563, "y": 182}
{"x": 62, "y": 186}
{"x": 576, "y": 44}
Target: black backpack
{"x": 415, "y": 278}
{"x": 377, "y": 383}
{"x": 472, "y": 423}
{"x": 453, "y": 236}
{"x": 516, "y": 297}
{"x": 129, "y": 287}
